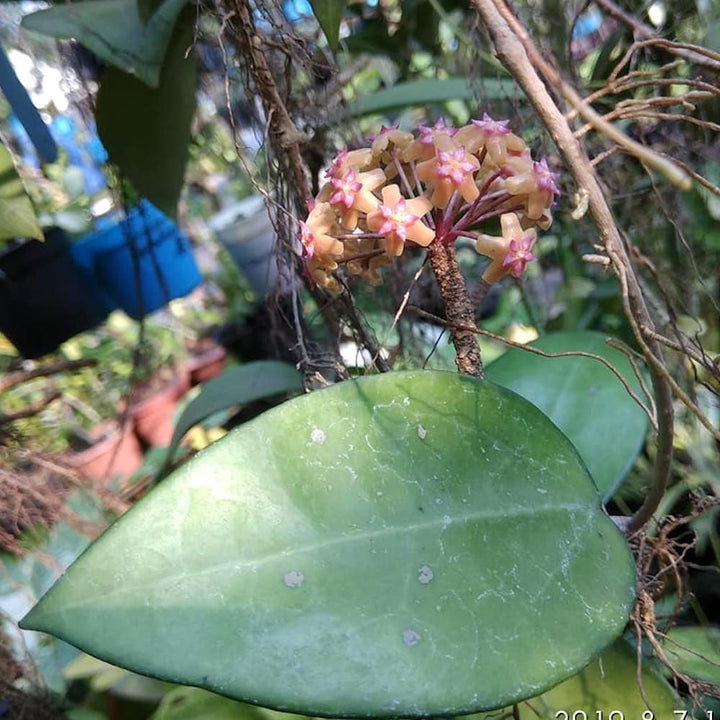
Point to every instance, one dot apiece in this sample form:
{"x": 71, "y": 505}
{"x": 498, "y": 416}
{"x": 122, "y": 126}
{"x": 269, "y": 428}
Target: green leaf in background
{"x": 695, "y": 651}
{"x": 428, "y": 92}
{"x": 237, "y": 386}
{"x": 17, "y": 215}
{"x": 409, "y": 544}
{"x": 583, "y": 398}
{"x": 147, "y": 130}
{"x": 189, "y": 703}
{"x": 608, "y": 685}
{"x": 329, "y": 14}
{"x": 113, "y": 30}
{"x": 103, "y": 677}
{"x": 147, "y": 8}
{"x": 84, "y": 714}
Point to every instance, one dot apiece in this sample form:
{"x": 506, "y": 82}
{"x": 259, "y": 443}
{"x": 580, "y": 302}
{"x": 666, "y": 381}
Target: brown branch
{"x": 700, "y": 179}
{"x": 628, "y": 83}
{"x": 458, "y": 308}
{"x": 30, "y": 410}
{"x": 285, "y": 138}
{"x": 21, "y": 376}
{"x": 520, "y": 56}
{"x": 642, "y": 31}
{"x": 513, "y": 40}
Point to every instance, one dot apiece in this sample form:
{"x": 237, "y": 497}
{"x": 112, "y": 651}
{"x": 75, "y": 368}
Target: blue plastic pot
{"x": 142, "y": 262}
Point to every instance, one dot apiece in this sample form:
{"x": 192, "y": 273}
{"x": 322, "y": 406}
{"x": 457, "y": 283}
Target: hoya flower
{"x": 450, "y": 171}
{"x": 538, "y": 183}
{"x": 387, "y": 139}
{"x": 315, "y": 233}
{"x": 398, "y": 220}
{"x": 429, "y": 141}
{"x": 364, "y": 261}
{"x": 320, "y": 274}
{"x": 494, "y": 136}
{"x": 509, "y": 253}
{"x": 356, "y": 159}
{"x": 352, "y": 193}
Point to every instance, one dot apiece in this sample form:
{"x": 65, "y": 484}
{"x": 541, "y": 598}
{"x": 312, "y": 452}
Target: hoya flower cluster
{"x": 438, "y": 185}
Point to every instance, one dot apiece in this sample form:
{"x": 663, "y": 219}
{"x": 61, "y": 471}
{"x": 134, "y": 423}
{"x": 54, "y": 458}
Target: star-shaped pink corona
{"x": 455, "y": 166}
{"x": 491, "y": 126}
{"x": 346, "y": 188}
{"x": 545, "y": 178}
{"x": 538, "y": 184}
{"x": 427, "y": 134}
{"x": 352, "y": 193}
{"x": 450, "y": 170}
{"x": 398, "y": 220}
{"x": 518, "y": 255}
{"x": 509, "y": 253}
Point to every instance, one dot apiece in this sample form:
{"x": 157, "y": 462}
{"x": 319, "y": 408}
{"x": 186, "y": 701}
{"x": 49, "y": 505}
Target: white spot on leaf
{"x": 422, "y": 432}
{"x": 317, "y": 436}
{"x": 425, "y": 574}
{"x": 294, "y": 579}
{"x": 410, "y": 638}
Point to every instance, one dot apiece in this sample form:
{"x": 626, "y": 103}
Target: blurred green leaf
{"x": 147, "y": 130}
{"x": 84, "y": 714}
{"x": 695, "y": 651}
{"x": 606, "y": 688}
{"x": 329, "y": 14}
{"x": 237, "y": 386}
{"x": 408, "y": 544}
{"x": 113, "y": 30}
{"x": 428, "y": 92}
{"x": 189, "y": 703}
{"x": 147, "y": 8}
{"x": 583, "y": 398}
{"x": 17, "y": 215}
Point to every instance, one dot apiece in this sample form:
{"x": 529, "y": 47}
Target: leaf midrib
{"x": 236, "y": 565}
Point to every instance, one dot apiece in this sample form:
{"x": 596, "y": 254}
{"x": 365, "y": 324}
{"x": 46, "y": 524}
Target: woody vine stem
{"x": 522, "y": 59}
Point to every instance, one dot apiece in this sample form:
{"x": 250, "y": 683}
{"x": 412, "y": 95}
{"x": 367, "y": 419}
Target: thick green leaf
{"x": 428, "y": 92}
{"x": 113, "y": 30}
{"x": 608, "y": 685}
{"x": 17, "y": 215}
{"x": 237, "y": 386}
{"x": 410, "y": 544}
{"x": 583, "y": 398}
{"x": 695, "y": 651}
{"x": 329, "y": 14}
{"x": 147, "y": 130}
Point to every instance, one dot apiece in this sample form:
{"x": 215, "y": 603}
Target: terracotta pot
{"x": 207, "y": 365}
{"x": 117, "y": 453}
{"x": 153, "y": 417}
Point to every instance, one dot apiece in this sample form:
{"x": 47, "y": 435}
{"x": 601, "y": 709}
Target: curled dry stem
{"x": 691, "y": 53}
{"x": 284, "y": 136}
